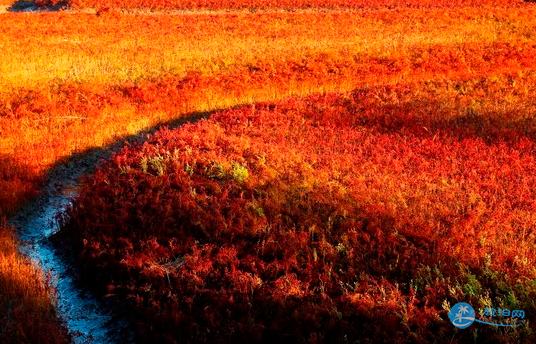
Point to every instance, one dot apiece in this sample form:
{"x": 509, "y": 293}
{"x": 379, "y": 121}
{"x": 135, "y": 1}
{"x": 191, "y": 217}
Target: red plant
{"x": 288, "y": 4}
{"x": 324, "y": 219}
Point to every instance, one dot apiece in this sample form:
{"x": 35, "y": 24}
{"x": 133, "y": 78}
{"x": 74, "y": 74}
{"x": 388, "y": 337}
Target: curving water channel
{"x": 88, "y": 320}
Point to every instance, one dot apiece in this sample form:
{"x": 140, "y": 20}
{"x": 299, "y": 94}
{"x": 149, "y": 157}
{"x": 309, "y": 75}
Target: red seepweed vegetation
{"x": 47, "y": 122}
{"x": 286, "y": 4}
{"x": 422, "y": 201}
{"x": 332, "y": 218}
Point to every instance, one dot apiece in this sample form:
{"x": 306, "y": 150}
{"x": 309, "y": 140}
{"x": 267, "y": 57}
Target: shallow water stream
{"x": 86, "y": 318}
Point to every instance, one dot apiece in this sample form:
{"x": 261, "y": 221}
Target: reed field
{"x": 360, "y": 168}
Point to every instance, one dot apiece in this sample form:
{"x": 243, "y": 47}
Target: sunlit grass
{"x": 27, "y": 311}
{"x": 121, "y": 48}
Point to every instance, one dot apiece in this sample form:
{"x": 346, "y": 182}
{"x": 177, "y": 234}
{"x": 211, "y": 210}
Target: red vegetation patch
{"x": 44, "y": 126}
{"x": 286, "y": 4}
{"x": 327, "y": 219}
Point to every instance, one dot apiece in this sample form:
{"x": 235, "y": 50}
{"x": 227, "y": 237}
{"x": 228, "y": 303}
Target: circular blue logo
{"x": 462, "y": 315}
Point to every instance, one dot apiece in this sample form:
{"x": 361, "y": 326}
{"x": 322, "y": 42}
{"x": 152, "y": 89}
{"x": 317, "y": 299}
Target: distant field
{"x": 263, "y": 5}
{"x": 55, "y": 48}
{"x": 457, "y": 76}
{"x": 284, "y": 4}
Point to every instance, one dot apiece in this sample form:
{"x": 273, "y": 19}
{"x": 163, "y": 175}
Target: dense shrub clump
{"x": 333, "y": 218}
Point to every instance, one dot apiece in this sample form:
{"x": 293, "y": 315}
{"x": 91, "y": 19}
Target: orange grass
{"x": 28, "y": 315}
{"x": 283, "y": 4}
{"x": 71, "y": 82}
{"x": 127, "y": 73}
{"x": 56, "y": 48}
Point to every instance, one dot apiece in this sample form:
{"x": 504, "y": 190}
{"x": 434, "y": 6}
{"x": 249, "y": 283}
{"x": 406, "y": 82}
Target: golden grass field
{"x": 73, "y": 81}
